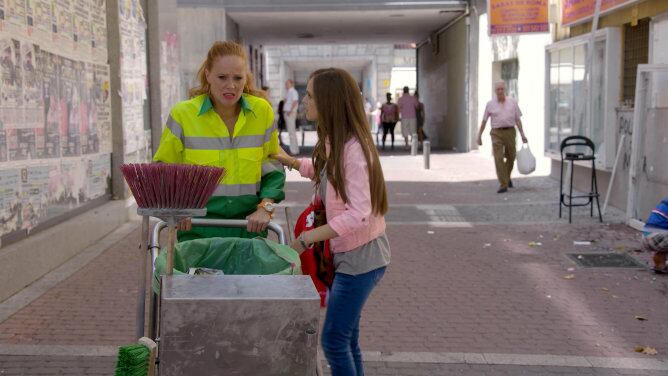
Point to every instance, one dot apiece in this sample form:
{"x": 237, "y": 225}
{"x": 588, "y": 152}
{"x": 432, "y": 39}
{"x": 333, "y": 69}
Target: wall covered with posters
{"x": 134, "y": 93}
{"x": 55, "y": 117}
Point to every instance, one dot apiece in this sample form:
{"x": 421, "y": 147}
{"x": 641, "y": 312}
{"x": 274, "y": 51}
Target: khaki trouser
{"x": 503, "y": 145}
{"x": 291, "y": 125}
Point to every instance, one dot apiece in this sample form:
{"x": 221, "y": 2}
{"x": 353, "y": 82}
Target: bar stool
{"x": 572, "y": 156}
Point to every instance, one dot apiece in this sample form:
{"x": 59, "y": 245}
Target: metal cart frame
{"x": 152, "y": 241}
{"x": 154, "y": 249}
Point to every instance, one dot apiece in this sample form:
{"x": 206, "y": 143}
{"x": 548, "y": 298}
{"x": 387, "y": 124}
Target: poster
{"x": 15, "y": 16}
{"x": 69, "y": 109}
{"x": 32, "y": 87}
{"x": 3, "y": 142}
{"x": 34, "y": 195}
{"x": 576, "y": 11}
{"x": 102, "y": 106}
{"x": 72, "y": 187}
{"x": 10, "y": 200}
{"x": 64, "y": 28}
{"x": 133, "y": 80}
{"x": 98, "y": 21}
{"x": 48, "y": 140}
{"x": 21, "y": 144}
{"x": 88, "y": 112}
{"x": 2, "y": 15}
{"x": 11, "y": 83}
{"x": 98, "y": 174}
{"x": 43, "y": 21}
{"x": 518, "y": 17}
{"x": 81, "y": 29}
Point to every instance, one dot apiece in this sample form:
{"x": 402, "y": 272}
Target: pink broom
{"x": 171, "y": 192}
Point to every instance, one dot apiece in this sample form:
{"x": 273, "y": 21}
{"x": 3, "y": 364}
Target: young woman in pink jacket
{"x": 348, "y": 178}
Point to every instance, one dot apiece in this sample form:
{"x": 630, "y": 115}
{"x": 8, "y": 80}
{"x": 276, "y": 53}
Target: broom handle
{"x": 141, "y": 297}
{"x": 288, "y": 222}
{"x": 170, "y": 246}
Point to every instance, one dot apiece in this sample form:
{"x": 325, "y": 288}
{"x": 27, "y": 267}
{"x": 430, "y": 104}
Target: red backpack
{"x": 317, "y": 261}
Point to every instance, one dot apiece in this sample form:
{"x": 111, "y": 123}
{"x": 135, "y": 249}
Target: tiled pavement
{"x": 467, "y": 277}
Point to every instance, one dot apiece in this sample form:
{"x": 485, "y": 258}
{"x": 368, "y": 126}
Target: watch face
{"x": 269, "y": 207}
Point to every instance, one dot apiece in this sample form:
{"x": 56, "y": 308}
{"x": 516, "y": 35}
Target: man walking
{"x": 505, "y": 115}
{"x": 290, "y": 114}
{"x": 407, "y": 106}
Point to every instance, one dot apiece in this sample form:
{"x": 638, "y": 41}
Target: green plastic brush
{"x": 136, "y": 359}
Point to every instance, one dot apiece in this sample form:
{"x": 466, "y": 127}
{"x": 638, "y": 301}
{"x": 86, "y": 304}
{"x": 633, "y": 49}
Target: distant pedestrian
{"x": 280, "y": 122}
{"x": 655, "y": 236}
{"x": 290, "y": 113}
{"x": 420, "y": 117}
{"x": 389, "y": 115}
{"x": 407, "y": 107}
{"x": 505, "y": 115}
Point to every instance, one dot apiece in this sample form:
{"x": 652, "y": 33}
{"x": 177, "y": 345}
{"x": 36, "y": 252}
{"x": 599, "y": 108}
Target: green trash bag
{"x": 257, "y": 256}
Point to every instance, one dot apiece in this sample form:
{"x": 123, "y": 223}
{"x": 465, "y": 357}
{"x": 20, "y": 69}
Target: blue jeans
{"x": 340, "y": 334}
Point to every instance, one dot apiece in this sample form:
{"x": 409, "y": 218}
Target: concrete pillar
{"x": 198, "y": 28}
{"x": 117, "y": 143}
{"x": 162, "y": 19}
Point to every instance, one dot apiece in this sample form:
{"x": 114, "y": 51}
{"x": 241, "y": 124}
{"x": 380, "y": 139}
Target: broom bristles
{"x": 133, "y": 360}
{"x": 171, "y": 186}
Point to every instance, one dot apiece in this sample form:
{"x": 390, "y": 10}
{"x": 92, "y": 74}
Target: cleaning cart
{"x": 231, "y": 324}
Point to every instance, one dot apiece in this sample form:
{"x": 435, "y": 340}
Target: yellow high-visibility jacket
{"x": 195, "y": 134}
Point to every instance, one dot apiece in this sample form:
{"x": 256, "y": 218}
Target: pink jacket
{"x": 353, "y": 222}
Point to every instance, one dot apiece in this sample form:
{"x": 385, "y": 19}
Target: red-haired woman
{"x": 227, "y": 123}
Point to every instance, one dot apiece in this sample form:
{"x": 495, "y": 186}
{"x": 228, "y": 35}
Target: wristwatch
{"x": 268, "y": 206}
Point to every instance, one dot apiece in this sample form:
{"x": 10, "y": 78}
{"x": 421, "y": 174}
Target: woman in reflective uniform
{"x": 227, "y": 123}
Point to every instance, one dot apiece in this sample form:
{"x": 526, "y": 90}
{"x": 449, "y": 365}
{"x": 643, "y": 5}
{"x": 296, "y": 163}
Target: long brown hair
{"x": 341, "y": 116}
{"x": 220, "y": 49}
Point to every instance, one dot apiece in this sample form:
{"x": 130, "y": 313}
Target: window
{"x": 636, "y": 51}
{"x": 567, "y": 96}
{"x": 509, "y": 71}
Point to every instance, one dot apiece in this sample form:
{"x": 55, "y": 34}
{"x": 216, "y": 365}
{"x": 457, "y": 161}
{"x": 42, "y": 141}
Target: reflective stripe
{"x": 207, "y": 143}
{"x": 223, "y": 143}
{"x": 267, "y": 134}
{"x": 271, "y": 165}
{"x": 175, "y": 128}
{"x": 248, "y": 141}
{"x": 236, "y": 189}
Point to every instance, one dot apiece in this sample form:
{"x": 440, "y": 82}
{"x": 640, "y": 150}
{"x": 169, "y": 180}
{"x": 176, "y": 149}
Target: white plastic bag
{"x": 526, "y": 162}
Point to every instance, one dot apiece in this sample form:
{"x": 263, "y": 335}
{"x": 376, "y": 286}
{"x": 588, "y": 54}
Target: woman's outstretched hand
{"x": 285, "y": 159}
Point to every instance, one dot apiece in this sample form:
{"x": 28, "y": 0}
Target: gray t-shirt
{"x": 363, "y": 259}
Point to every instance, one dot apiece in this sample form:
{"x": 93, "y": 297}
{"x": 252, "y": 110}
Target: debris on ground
{"x": 646, "y": 350}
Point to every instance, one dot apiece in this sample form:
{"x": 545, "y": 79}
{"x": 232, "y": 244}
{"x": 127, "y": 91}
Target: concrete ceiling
{"x": 342, "y": 22}
{"x": 311, "y": 65}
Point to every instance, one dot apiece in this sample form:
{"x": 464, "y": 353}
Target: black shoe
{"x": 502, "y": 190}
{"x": 510, "y": 183}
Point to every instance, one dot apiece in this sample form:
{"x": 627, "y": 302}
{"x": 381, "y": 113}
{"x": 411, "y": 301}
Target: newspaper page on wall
{"x": 133, "y": 81}
{"x": 55, "y": 110}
